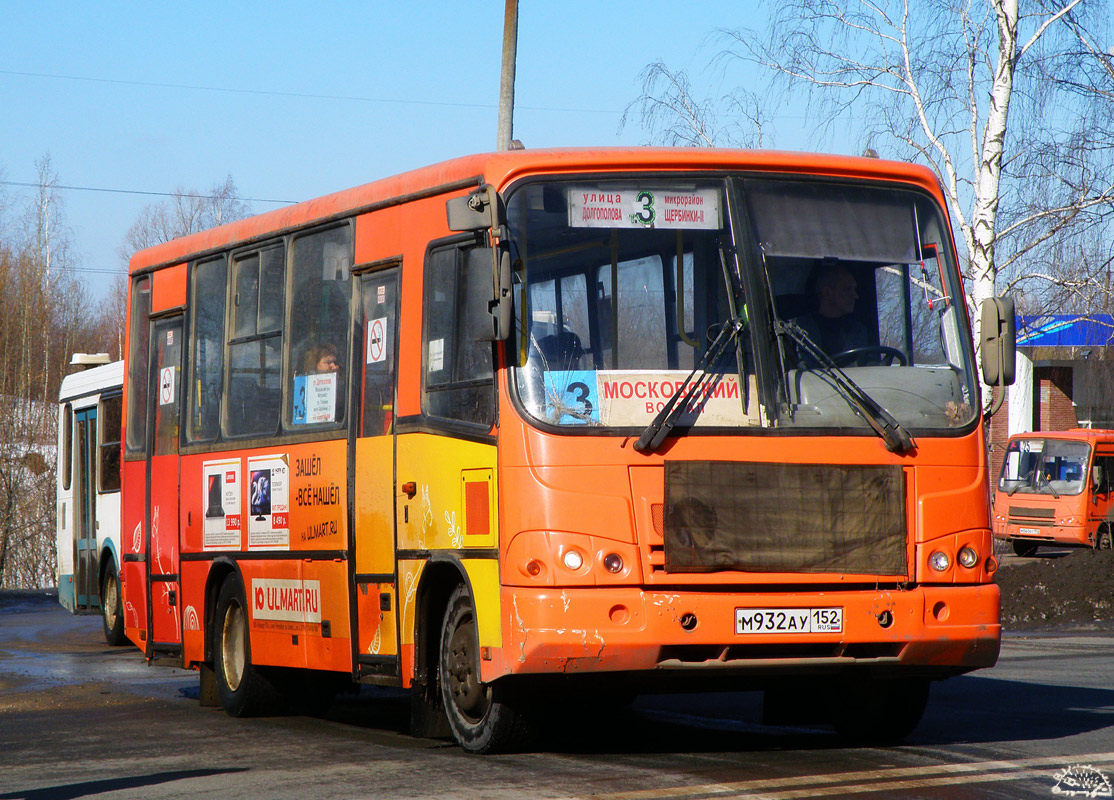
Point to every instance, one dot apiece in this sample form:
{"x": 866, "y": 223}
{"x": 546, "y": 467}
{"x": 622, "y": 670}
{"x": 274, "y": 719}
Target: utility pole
{"x": 506, "y": 83}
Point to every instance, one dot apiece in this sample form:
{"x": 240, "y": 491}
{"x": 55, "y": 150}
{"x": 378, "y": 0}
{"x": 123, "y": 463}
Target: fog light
{"x": 613, "y": 562}
{"x": 967, "y": 557}
{"x": 573, "y": 560}
{"x": 939, "y": 561}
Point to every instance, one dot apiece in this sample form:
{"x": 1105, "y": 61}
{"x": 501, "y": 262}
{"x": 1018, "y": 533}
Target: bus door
{"x": 163, "y": 585}
{"x": 1101, "y": 483}
{"x": 372, "y": 463}
{"x": 86, "y": 590}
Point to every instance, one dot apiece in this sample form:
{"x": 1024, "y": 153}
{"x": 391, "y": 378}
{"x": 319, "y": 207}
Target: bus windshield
{"x": 1044, "y": 466}
{"x": 622, "y": 286}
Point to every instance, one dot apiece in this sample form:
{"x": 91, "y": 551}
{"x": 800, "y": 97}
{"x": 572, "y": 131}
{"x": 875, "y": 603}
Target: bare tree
{"x": 669, "y": 109}
{"x": 46, "y": 314}
{"x": 186, "y": 211}
{"x": 1012, "y": 109}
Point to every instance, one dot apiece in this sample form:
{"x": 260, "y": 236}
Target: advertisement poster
{"x": 220, "y": 487}
{"x": 269, "y": 502}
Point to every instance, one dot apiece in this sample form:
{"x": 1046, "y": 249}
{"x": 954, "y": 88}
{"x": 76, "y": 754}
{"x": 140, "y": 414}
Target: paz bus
{"x": 88, "y": 491}
{"x": 534, "y": 425}
{"x": 1055, "y": 489}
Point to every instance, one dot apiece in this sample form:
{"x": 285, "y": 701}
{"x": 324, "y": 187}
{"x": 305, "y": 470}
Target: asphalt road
{"x": 79, "y": 719}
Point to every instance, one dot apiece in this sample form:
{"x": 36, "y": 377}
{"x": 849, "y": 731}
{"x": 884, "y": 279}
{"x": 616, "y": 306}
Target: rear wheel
{"x": 480, "y": 718}
{"x": 112, "y": 614}
{"x": 1024, "y": 549}
{"x": 244, "y": 691}
{"x": 880, "y": 711}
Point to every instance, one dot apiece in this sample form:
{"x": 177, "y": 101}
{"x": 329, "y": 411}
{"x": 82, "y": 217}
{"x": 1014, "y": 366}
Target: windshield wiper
{"x": 1047, "y": 481}
{"x": 666, "y": 419}
{"x": 897, "y": 439}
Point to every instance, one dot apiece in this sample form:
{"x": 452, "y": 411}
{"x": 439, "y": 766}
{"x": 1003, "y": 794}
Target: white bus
{"x": 88, "y": 505}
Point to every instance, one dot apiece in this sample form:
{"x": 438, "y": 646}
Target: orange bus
{"x": 534, "y": 425}
{"x": 1055, "y": 489}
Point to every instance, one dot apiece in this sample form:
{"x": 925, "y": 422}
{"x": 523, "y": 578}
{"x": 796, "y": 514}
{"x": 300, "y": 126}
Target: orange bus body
{"x": 1054, "y": 489}
{"x": 384, "y": 542}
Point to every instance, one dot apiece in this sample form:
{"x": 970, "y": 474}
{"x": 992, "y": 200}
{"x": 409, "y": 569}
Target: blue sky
{"x": 295, "y": 101}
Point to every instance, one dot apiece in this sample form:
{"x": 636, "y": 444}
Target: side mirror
{"x": 1096, "y": 480}
{"x": 488, "y": 293}
{"x": 480, "y": 210}
{"x": 998, "y": 339}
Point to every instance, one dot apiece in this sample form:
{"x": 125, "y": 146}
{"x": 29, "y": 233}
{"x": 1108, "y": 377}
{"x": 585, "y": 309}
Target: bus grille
{"x": 793, "y": 518}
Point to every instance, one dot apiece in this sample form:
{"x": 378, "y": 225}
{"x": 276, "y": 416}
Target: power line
{"x": 140, "y": 192}
{"x": 304, "y": 95}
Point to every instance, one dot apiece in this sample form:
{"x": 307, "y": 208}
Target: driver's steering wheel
{"x": 870, "y": 355}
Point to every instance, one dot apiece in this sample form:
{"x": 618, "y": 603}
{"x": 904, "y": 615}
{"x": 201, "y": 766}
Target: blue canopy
{"x": 1065, "y": 330}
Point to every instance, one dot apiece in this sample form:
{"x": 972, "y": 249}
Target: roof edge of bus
{"x": 1067, "y": 433}
{"x": 500, "y": 168}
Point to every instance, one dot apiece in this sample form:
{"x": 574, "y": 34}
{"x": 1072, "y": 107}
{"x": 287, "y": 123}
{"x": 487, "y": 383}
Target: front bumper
{"x": 931, "y": 630}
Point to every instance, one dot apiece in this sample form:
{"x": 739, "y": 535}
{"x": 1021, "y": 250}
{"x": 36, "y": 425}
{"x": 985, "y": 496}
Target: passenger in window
{"x": 321, "y": 358}
{"x": 318, "y": 386}
{"x": 832, "y": 324}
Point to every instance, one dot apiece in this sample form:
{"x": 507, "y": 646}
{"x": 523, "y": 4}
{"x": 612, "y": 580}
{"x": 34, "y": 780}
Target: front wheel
{"x": 1103, "y": 541}
{"x": 1024, "y": 549}
{"x": 479, "y": 717}
{"x": 112, "y": 612}
{"x": 244, "y": 691}
{"x": 877, "y": 711}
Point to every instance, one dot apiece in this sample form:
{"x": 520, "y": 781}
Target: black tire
{"x": 112, "y": 609}
{"x": 1103, "y": 540}
{"x": 1024, "y": 549}
{"x": 244, "y": 691}
{"x": 479, "y": 717}
{"x": 877, "y": 711}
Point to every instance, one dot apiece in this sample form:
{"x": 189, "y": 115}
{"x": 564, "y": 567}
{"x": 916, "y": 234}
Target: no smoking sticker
{"x": 377, "y": 332}
{"x": 166, "y": 386}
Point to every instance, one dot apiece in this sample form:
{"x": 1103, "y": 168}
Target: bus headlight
{"x": 967, "y": 557}
{"x": 940, "y": 561}
{"x": 573, "y": 560}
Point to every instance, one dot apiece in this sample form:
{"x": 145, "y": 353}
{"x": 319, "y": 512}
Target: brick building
{"x": 1065, "y": 378}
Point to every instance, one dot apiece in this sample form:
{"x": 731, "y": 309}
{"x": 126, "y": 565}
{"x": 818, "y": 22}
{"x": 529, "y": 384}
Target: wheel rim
{"x": 468, "y": 693}
{"x": 111, "y": 600}
{"x": 232, "y": 647}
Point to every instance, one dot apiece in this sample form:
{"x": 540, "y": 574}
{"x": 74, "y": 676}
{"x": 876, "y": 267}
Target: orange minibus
{"x": 587, "y": 423}
{"x": 1055, "y": 489}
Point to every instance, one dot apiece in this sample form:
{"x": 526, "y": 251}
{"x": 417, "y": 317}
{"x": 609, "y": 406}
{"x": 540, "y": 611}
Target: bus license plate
{"x": 1029, "y": 531}
{"x": 788, "y": 620}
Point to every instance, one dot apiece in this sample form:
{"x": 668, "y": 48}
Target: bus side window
{"x": 66, "y": 467}
{"x": 458, "y": 375}
{"x": 208, "y": 291}
{"x": 318, "y": 334}
{"x": 109, "y": 450}
{"x": 138, "y": 365}
{"x": 252, "y": 397}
